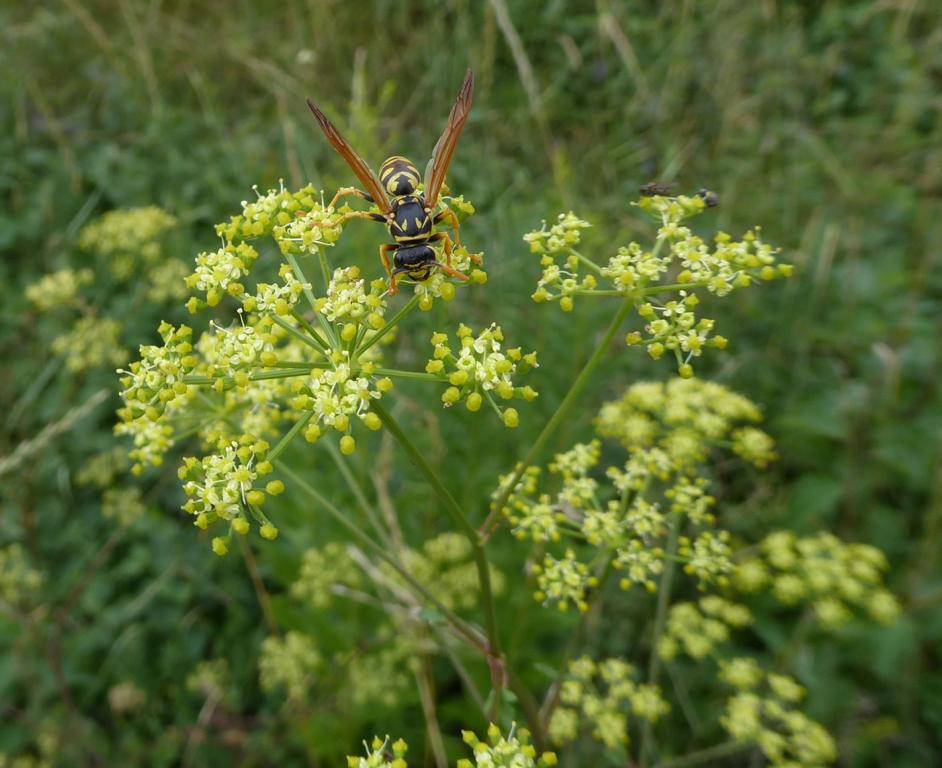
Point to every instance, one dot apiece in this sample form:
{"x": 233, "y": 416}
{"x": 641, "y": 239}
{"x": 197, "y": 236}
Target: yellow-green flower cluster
{"x": 823, "y": 572}
{"x": 511, "y": 751}
{"x": 679, "y": 264}
{"x": 532, "y": 516}
{"x": 603, "y": 694}
{"x": 763, "y": 712}
{"x": 219, "y": 273}
{"x": 320, "y": 570}
{"x": 349, "y": 301}
{"x": 385, "y": 677}
{"x": 564, "y": 582}
{"x": 58, "y": 288}
{"x": 225, "y": 486}
{"x": 127, "y": 239}
{"x": 310, "y": 230}
{"x": 289, "y": 662}
{"x": 481, "y": 371}
{"x": 683, "y": 417}
{"x": 90, "y": 343}
{"x": 697, "y": 628}
{"x": 381, "y": 754}
{"x": 210, "y": 679}
{"x": 167, "y": 282}
{"x": 126, "y": 698}
{"x": 123, "y": 505}
{"x": 150, "y": 387}
{"x": 19, "y": 582}
{"x": 276, "y": 298}
{"x": 284, "y": 215}
{"x": 708, "y": 557}
{"x": 102, "y": 468}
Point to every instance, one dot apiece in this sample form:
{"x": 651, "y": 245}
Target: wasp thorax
{"x": 399, "y": 176}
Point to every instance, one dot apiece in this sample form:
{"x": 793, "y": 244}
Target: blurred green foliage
{"x": 820, "y": 120}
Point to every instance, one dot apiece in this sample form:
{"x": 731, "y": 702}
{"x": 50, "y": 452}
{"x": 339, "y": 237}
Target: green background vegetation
{"x": 821, "y": 121}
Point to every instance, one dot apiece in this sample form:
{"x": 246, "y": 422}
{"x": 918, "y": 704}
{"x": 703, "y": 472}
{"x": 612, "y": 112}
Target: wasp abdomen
{"x": 416, "y": 260}
{"x": 399, "y": 176}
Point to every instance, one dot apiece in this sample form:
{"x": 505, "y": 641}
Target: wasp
{"x": 409, "y": 215}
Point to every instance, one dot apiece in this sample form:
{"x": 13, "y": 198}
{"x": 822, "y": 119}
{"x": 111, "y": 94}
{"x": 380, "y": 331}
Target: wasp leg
{"x": 361, "y": 215}
{"x": 447, "y": 247}
{"x": 348, "y": 192}
{"x": 452, "y": 218}
{"x": 445, "y": 240}
{"x": 383, "y": 250}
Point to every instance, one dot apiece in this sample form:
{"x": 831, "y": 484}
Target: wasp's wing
{"x": 357, "y": 164}
{"x": 445, "y": 148}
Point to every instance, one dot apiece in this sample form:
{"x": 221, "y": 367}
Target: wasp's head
{"x": 399, "y": 176}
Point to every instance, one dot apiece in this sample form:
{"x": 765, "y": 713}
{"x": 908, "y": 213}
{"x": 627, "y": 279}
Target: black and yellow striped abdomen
{"x": 399, "y": 176}
{"x": 410, "y": 224}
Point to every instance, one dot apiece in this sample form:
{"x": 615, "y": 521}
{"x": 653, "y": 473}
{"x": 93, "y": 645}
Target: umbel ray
{"x": 409, "y": 216}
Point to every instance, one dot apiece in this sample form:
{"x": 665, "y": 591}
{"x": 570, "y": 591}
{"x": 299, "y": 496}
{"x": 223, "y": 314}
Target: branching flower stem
{"x": 453, "y": 509}
{"x": 467, "y": 632}
{"x": 358, "y": 494}
{"x": 393, "y": 322}
{"x": 493, "y": 519}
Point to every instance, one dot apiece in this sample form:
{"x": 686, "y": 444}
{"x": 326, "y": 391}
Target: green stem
{"x": 492, "y": 521}
{"x": 389, "y": 326}
{"x": 309, "y": 294}
{"x": 672, "y": 287}
{"x": 257, "y": 376}
{"x": 312, "y": 331}
{"x": 588, "y": 262}
{"x": 275, "y": 452}
{"x": 705, "y": 755}
{"x": 311, "y": 340}
{"x": 660, "y": 617}
{"x": 470, "y": 634}
{"x": 417, "y": 375}
{"x": 454, "y": 511}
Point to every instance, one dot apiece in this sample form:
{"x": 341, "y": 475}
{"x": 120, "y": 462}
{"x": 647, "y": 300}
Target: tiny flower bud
{"x": 219, "y": 546}
{"x": 347, "y": 445}
{"x": 511, "y": 419}
{"x": 275, "y": 487}
{"x": 372, "y": 421}
{"x": 241, "y": 526}
{"x": 255, "y": 497}
{"x": 447, "y": 291}
{"x": 474, "y": 402}
{"x": 268, "y": 531}
{"x": 565, "y": 304}
{"x": 425, "y": 303}
{"x": 348, "y": 332}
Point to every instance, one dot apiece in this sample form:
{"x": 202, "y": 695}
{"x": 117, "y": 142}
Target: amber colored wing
{"x": 445, "y": 148}
{"x": 357, "y": 164}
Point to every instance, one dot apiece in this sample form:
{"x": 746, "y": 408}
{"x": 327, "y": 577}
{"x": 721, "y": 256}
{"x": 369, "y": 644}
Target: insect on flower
{"x": 410, "y": 217}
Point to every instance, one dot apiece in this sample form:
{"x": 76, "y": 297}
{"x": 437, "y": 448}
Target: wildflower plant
{"x": 298, "y": 347}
